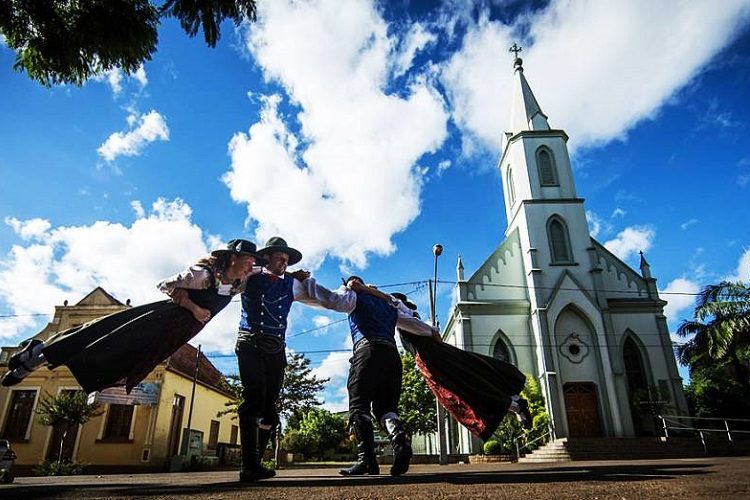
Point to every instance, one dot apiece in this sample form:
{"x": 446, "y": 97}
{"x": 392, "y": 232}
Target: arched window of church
{"x": 634, "y": 366}
{"x": 559, "y": 241}
{"x": 511, "y": 188}
{"x": 501, "y": 351}
{"x": 547, "y": 170}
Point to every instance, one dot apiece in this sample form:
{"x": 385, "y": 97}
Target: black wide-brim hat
{"x": 238, "y": 247}
{"x": 276, "y": 244}
{"x": 400, "y": 296}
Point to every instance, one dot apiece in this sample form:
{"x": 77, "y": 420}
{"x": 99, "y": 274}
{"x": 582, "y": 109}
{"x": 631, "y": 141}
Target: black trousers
{"x": 262, "y": 375}
{"x": 374, "y": 383}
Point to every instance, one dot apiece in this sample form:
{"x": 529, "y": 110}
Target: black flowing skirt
{"x": 121, "y": 349}
{"x": 475, "y": 389}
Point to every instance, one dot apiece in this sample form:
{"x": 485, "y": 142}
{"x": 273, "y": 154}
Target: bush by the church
{"x": 492, "y": 447}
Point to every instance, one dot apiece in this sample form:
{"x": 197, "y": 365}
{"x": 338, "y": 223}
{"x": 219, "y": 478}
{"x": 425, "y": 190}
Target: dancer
{"x": 261, "y": 356}
{"x": 374, "y": 382}
{"x": 477, "y": 390}
{"x": 122, "y": 348}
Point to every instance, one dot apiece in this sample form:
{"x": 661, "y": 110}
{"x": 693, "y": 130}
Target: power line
{"x": 420, "y": 284}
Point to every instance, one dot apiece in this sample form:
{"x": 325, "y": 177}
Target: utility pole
{"x": 437, "y": 250}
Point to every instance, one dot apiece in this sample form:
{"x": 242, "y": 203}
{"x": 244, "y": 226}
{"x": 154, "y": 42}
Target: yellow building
{"x": 125, "y": 437}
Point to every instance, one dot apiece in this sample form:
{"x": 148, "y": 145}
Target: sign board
{"x": 145, "y": 393}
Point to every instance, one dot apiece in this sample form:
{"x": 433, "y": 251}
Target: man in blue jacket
{"x": 375, "y": 371}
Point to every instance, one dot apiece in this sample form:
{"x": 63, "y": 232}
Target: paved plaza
{"x": 713, "y": 478}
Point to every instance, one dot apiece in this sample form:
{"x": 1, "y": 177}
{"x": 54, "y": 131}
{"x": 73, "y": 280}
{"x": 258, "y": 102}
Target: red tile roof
{"x": 183, "y": 362}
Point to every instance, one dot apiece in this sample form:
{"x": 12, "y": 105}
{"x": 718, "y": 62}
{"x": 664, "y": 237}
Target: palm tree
{"x": 720, "y": 330}
{"x": 66, "y": 411}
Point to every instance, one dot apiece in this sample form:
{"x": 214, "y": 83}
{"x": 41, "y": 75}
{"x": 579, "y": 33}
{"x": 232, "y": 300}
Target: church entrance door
{"x": 582, "y": 409}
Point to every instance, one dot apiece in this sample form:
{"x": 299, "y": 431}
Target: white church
{"x": 557, "y": 304}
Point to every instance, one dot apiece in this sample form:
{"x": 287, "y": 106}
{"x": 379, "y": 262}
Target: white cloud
{"x": 680, "y": 297}
{"x": 742, "y": 273}
{"x": 67, "y": 262}
{"x": 140, "y": 76}
{"x": 338, "y": 399}
{"x": 28, "y": 229}
{"x": 115, "y": 77}
{"x": 630, "y": 241}
{"x": 618, "y": 212}
{"x": 443, "y": 166}
{"x": 689, "y": 223}
{"x": 621, "y": 61}
{"x": 348, "y": 158}
{"x": 322, "y": 323}
{"x": 151, "y": 127}
{"x": 335, "y": 366}
{"x": 415, "y": 40}
{"x": 595, "y": 223}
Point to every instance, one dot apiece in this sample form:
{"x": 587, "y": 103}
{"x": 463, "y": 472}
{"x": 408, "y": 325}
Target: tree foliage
{"x": 68, "y": 41}
{"x": 510, "y": 429}
{"x": 319, "y": 432}
{"x": 300, "y": 389}
{"x": 65, "y": 411}
{"x": 298, "y": 392}
{"x": 67, "y": 408}
{"x": 416, "y": 408}
{"x": 717, "y": 351}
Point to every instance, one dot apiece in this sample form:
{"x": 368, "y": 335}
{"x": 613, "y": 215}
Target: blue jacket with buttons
{"x": 373, "y": 319}
{"x": 266, "y": 302}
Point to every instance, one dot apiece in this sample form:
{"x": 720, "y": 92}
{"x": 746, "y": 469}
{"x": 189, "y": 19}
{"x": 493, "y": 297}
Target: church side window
{"x": 634, "y": 366}
{"x": 546, "y": 164}
{"x": 501, "y": 351}
{"x": 557, "y": 232}
{"x": 511, "y": 189}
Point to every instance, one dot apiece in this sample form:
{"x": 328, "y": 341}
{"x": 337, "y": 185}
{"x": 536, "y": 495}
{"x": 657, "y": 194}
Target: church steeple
{"x": 645, "y": 268}
{"x": 526, "y": 114}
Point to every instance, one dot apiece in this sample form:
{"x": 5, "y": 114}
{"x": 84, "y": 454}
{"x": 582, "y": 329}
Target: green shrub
{"x": 55, "y": 468}
{"x": 269, "y": 464}
{"x": 492, "y": 447}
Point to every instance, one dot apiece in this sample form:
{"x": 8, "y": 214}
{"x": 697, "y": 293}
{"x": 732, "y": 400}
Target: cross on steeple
{"x": 517, "y": 61}
{"x": 515, "y": 49}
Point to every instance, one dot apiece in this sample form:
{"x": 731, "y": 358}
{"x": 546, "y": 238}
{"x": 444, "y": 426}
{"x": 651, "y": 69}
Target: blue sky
{"x": 364, "y": 132}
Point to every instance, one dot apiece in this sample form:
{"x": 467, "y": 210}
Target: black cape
{"x": 124, "y": 347}
{"x": 475, "y": 389}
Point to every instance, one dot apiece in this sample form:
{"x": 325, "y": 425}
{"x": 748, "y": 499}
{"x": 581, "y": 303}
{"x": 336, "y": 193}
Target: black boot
{"x": 264, "y": 436}
{"x": 401, "y": 444}
{"x": 367, "y": 463}
{"x": 252, "y": 470}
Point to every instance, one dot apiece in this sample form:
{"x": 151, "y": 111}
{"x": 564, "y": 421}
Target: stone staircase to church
{"x": 561, "y": 450}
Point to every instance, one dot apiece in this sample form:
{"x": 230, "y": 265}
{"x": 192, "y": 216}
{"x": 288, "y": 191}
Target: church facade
{"x": 556, "y": 303}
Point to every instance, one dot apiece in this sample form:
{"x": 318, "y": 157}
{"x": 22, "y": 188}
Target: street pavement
{"x": 715, "y": 478}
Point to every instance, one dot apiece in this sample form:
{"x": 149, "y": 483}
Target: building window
{"x": 559, "y": 241}
{"x": 213, "y": 435}
{"x": 634, "y": 371}
{"x": 233, "y": 435}
{"x": 20, "y": 411}
{"x": 501, "y": 351}
{"x": 511, "y": 189}
{"x": 546, "y": 165}
{"x": 119, "y": 419}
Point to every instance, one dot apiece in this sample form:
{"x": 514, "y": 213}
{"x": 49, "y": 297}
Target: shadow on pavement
{"x": 567, "y": 474}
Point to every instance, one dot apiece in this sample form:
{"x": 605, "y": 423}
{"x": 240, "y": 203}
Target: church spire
{"x": 645, "y": 268}
{"x": 460, "y": 269}
{"x": 526, "y": 114}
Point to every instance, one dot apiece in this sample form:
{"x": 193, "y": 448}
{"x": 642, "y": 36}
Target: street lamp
{"x": 437, "y": 250}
